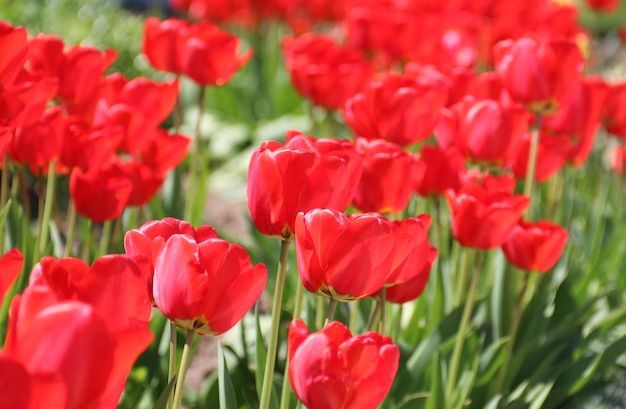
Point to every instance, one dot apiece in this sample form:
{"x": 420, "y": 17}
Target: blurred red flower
{"x": 484, "y": 210}
{"x": 303, "y": 174}
{"x": 538, "y": 72}
{"x": 397, "y": 108}
{"x": 323, "y": 71}
{"x": 535, "y": 246}
{"x": 11, "y": 264}
{"x": 332, "y": 369}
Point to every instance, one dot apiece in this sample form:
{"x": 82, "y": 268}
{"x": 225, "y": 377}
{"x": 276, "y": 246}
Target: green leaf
{"x": 161, "y": 403}
{"x": 227, "y": 393}
{"x": 490, "y": 361}
{"x": 261, "y": 356}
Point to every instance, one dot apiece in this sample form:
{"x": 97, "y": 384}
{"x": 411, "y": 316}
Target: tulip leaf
{"x": 161, "y": 403}
{"x": 261, "y": 356}
{"x": 4, "y": 212}
{"x": 490, "y": 361}
{"x": 227, "y": 393}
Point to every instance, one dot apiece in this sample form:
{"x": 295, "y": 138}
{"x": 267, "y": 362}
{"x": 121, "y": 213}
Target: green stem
{"x": 182, "y": 371}
{"x": 354, "y": 316}
{"x": 270, "y": 361}
{"x": 171, "y": 369}
{"x": 332, "y": 306}
{"x": 532, "y": 158}
{"x": 462, "y": 281}
{"x": 512, "y": 335}
{"x": 71, "y": 229}
{"x": 178, "y": 110}
{"x": 383, "y": 307}
{"x": 460, "y": 337}
{"x": 319, "y": 311}
{"x": 88, "y": 233}
{"x": 4, "y": 198}
{"x": 196, "y": 158}
{"x": 105, "y": 238}
{"x": 297, "y": 309}
{"x": 374, "y": 316}
{"x": 47, "y": 212}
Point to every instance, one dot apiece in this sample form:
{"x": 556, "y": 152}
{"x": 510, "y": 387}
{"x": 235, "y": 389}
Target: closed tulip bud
{"x": 535, "y": 246}
{"x": 332, "y": 369}
{"x": 343, "y": 257}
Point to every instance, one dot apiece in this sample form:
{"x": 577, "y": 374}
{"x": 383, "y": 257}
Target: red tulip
{"x": 396, "y": 108}
{"x": 414, "y": 286}
{"x": 323, "y": 71}
{"x": 538, "y": 72}
{"x": 74, "y": 320}
{"x": 10, "y": 267}
{"x": 411, "y": 248}
{"x": 482, "y": 130}
{"x": 14, "y": 46}
{"x": 552, "y": 154}
{"x": 485, "y": 211}
{"x": 206, "y": 287}
{"x": 145, "y": 244}
{"x": 202, "y": 51}
{"x": 331, "y": 369}
{"x": 442, "y": 170}
{"x": 101, "y": 193}
{"x": 390, "y": 176}
{"x": 615, "y": 110}
{"x": 343, "y": 257}
{"x": 605, "y": 6}
{"x": 303, "y": 174}
{"x": 535, "y": 246}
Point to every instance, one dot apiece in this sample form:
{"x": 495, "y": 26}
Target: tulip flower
{"x": 323, "y": 71}
{"x": 482, "y": 129}
{"x": 443, "y": 170}
{"x": 303, "y": 174}
{"x": 14, "y": 45}
{"x": 552, "y": 154}
{"x": 485, "y": 211}
{"x": 535, "y": 246}
{"x": 604, "y": 6}
{"x": 390, "y": 176}
{"x": 206, "y": 287}
{"x": 411, "y": 248}
{"x": 614, "y": 114}
{"x": 618, "y": 160}
{"x": 202, "y": 51}
{"x": 343, "y": 257}
{"x": 538, "y": 72}
{"x": 101, "y": 193}
{"x": 415, "y": 285}
{"x": 332, "y": 369}
{"x": 10, "y": 267}
{"x": 396, "y": 108}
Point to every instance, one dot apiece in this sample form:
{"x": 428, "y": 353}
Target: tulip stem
{"x": 194, "y": 160}
{"x": 512, "y": 335}
{"x": 354, "y": 316}
{"x": 182, "y": 371}
{"x": 47, "y": 212}
{"x": 332, "y": 306}
{"x": 71, "y": 228}
{"x": 383, "y": 307}
{"x": 460, "y": 337}
{"x": 319, "y": 311}
{"x": 171, "y": 370}
{"x": 4, "y": 197}
{"x": 532, "y": 158}
{"x": 297, "y": 309}
{"x": 105, "y": 238}
{"x": 462, "y": 282}
{"x": 270, "y": 361}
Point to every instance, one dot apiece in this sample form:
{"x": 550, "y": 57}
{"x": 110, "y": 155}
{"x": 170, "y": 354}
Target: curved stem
{"x": 354, "y": 316}
{"x": 383, "y": 307}
{"x": 182, "y": 371}
{"x": 514, "y": 327}
{"x": 270, "y": 361}
{"x": 460, "y": 337}
{"x": 532, "y": 158}
{"x": 332, "y": 305}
